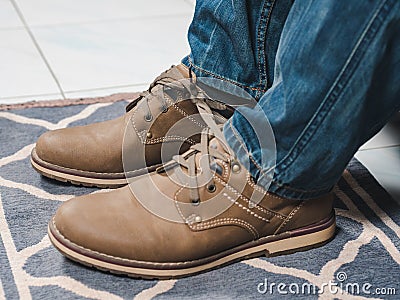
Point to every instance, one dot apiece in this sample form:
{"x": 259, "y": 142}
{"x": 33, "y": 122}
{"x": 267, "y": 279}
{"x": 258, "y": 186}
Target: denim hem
{"x": 200, "y": 72}
{"x": 264, "y": 179}
{"x": 288, "y": 192}
{"x": 237, "y": 146}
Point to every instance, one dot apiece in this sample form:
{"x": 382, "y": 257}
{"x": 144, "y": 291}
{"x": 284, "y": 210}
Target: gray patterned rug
{"x": 363, "y": 261}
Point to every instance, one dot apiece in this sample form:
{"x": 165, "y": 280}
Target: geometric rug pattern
{"x": 362, "y": 262}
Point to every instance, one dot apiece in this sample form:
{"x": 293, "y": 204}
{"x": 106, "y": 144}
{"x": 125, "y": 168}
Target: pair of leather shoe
{"x": 177, "y": 212}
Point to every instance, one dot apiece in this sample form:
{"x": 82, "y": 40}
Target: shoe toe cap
{"x": 91, "y": 148}
{"x": 97, "y": 223}
{"x": 49, "y": 146}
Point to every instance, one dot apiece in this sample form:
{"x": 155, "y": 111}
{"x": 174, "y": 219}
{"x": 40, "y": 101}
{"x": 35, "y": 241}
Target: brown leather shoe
{"x": 92, "y": 155}
{"x": 163, "y": 226}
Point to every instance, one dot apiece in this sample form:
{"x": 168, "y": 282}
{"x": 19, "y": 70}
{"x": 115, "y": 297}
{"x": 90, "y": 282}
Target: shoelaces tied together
{"x": 197, "y": 175}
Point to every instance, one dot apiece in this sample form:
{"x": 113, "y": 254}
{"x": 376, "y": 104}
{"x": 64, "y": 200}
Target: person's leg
{"x": 336, "y": 84}
{"x": 236, "y": 41}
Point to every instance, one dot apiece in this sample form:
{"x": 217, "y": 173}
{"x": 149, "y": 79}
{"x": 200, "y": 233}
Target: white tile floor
{"x": 68, "y": 48}
{"x": 381, "y": 155}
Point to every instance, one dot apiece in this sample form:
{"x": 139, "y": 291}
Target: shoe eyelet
{"x": 149, "y": 135}
{"x": 211, "y": 188}
{"x": 165, "y": 109}
{"x": 148, "y": 118}
{"x": 196, "y": 202}
{"x": 197, "y": 219}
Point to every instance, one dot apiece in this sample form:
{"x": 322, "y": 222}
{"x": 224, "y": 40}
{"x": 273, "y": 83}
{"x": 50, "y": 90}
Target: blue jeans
{"x": 326, "y": 74}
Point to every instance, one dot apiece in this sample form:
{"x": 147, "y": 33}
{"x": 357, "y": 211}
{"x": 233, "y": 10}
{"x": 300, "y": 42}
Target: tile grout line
{"x": 30, "y": 33}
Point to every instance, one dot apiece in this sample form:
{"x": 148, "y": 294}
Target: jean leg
{"x": 236, "y": 41}
{"x": 336, "y": 84}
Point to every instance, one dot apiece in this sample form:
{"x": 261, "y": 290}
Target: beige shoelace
{"x": 171, "y": 79}
{"x": 200, "y": 172}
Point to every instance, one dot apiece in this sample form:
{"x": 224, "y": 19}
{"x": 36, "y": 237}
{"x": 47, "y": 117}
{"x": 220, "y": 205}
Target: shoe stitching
{"x": 252, "y": 213}
{"x": 182, "y": 112}
{"x": 243, "y": 198}
{"x": 264, "y": 210}
{"x": 226, "y": 168}
{"x": 169, "y": 138}
{"x": 177, "y": 203}
{"x": 290, "y": 216}
{"x": 225, "y": 221}
{"x": 228, "y": 197}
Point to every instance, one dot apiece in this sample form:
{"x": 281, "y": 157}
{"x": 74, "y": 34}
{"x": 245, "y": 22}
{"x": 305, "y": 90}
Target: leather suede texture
{"x": 117, "y": 224}
{"x": 98, "y": 147}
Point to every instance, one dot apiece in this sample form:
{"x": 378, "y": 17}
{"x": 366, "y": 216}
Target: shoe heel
{"x": 301, "y": 242}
